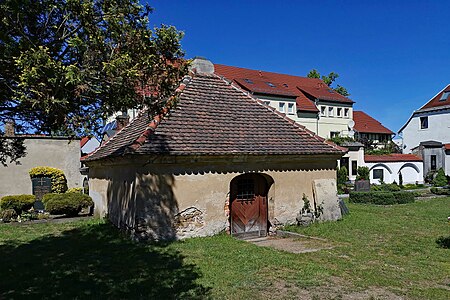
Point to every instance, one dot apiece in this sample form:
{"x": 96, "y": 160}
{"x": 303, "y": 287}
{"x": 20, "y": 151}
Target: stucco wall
{"x": 412, "y": 172}
{"x": 147, "y": 200}
{"x": 438, "y": 129}
{"x": 57, "y": 153}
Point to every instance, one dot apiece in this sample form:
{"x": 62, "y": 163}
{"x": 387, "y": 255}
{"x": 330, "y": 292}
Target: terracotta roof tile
{"x": 366, "y": 124}
{"x": 213, "y": 117}
{"x": 297, "y": 85}
{"x": 447, "y": 146}
{"x": 436, "y": 100}
{"x": 394, "y": 157}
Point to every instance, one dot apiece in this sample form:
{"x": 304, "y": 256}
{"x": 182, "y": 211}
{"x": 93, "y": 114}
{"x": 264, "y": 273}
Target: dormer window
{"x": 291, "y": 108}
{"x": 285, "y": 85}
{"x": 270, "y": 84}
{"x": 282, "y": 107}
{"x": 323, "y": 111}
{"x": 445, "y": 96}
{"x": 248, "y": 80}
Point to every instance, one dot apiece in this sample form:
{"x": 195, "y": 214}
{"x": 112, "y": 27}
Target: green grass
{"x": 387, "y": 248}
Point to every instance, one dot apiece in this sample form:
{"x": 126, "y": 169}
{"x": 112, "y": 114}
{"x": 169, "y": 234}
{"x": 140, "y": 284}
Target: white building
{"x": 427, "y": 132}
{"x": 389, "y": 168}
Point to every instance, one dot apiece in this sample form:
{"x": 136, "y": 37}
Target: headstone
{"x": 40, "y": 187}
{"x": 325, "y": 194}
{"x": 362, "y": 185}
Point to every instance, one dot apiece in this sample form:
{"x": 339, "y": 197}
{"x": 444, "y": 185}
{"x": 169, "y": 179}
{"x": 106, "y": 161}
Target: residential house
{"x": 427, "y": 132}
{"x": 369, "y": 130}
{"x": 220, "y": 159}
{"x": 308, "y": 101}
{"x": 41, "y": 150}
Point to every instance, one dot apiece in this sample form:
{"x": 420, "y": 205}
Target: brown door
{"x": 249, "y": 206}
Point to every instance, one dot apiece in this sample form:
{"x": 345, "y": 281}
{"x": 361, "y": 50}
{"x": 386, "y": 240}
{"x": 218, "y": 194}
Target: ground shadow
{"x": 95, "y": 261}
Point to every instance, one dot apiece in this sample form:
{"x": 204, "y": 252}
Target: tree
{"x": 329, "y": 79}
{"x": 68, "y": 64}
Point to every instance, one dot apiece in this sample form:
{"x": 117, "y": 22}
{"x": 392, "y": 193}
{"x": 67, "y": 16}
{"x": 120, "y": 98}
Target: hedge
{"x": 387, "y": 187}
{"x": 381, "y": 198}
{"x": 439, "y": 191}
{"x": 69, "y": 204}
{"x": 59, "y": 181}
{"x": 19, "y": 203}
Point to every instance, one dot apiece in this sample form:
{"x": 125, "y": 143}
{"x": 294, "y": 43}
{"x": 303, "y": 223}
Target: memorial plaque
{"x": 41, "y": 186}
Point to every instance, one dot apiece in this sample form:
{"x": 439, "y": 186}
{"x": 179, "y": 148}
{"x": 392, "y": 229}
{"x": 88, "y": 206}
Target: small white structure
{"x": 387, "y": 168}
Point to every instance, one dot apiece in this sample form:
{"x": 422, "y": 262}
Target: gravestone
{"x": 362, "y": 185}
{"x": 40, "y": 187}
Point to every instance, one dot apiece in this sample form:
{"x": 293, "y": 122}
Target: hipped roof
{"x": 214, "y": 117}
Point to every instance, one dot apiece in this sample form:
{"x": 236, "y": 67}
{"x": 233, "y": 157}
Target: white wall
{"x": 412, "y": 172}
{"x": 438, "y": 129}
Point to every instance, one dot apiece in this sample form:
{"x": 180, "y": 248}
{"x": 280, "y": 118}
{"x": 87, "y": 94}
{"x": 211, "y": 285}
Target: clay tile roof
{"x": 447, "y": 146}
{"x": 436, "y": 101}
{"x": 213, "y": 117}
{"x": 297, "y": 85}
{"x": 83, "y": 141}
{"x": 366, "y": 124}
{"x": 394, "y": 157}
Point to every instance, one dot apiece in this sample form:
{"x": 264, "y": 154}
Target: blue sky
{"x": 392, "y": 56}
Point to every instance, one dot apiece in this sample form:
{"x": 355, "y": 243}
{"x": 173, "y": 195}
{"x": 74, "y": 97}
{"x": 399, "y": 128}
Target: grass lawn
{"x": 379, "y": 252}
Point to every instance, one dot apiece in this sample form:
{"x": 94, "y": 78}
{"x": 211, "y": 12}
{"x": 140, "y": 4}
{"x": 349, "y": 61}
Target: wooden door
{"x": 249, "y": 206}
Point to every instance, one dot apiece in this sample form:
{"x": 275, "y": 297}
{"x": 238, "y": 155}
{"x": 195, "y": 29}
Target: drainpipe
{"x": 318, "y": 116}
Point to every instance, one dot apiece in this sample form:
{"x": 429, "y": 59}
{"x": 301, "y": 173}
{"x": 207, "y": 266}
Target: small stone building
{"x": 215, "y": 159}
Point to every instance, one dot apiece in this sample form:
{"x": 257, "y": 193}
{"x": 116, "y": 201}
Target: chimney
{"x": 10, "y": 128}
{"x": 122, "y": 121}
{"x": 201, "y": 65}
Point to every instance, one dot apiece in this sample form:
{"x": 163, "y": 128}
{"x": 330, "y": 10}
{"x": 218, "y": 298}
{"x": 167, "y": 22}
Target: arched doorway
{"x": 248, "y": 206}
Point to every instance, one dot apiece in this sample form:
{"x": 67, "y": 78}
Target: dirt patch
{"x": 292, "y": 244}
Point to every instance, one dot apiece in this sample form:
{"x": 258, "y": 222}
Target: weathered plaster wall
{"x": 187, "y": 198}
{"x": 57, "y": 153}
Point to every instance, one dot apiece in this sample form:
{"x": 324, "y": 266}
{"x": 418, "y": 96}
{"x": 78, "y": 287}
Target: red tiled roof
{"x": 83, "y": 141}
{"x": 436, "y": 102}
{"x": 213, "y": 117}
{"x": 447, "y": 146}
{"x": 366, "y": 124}
{"x": 394, "y": 157}
{"x": 297, "y": 85}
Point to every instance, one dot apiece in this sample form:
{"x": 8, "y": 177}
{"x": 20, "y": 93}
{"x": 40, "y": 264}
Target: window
{"x": 291, "y": 108}
{"x": 248, "y": 80}
{"x": 267, "y": 103}
{"x": 378, "y": 174}
{"x": 354, "y": 167}
{"x": 433, "y": 162}
{"x": 285, "y": 85}
{"x": 331, "y": 111}
{"x": 270, "y": 84}
{"x": 323, "y": 111}
{"x": 346, "y": 110}
{"x": 423, "y": 122}
{"x": 445, "y": 96}
{"x": 282, "y": 107}
{"x": 339, "y": 112}
{"x": 334, "y": 134}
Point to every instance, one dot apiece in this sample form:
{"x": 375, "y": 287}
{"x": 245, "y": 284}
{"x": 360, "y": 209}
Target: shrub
{"x": 381, "y": 197}
{"x": 443, "y": 242}
{"x": 69, "y": 204}
{"x": 439, "y": 191}
{"x": 19, "y": 203}
{"x": 59, "y": 181}
{"x": 387, "y": 187}
{"x": 342, "y": 175}
{"x": 363, "y": 173}
{"x": 440, "y": 179}
{"x": 404, "y": 197}
{"x": 75, "y": 190}
{"x": 8, "y": 215}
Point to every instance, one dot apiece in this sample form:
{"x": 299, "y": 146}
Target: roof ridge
{"x": 151, "y": 127}
{"x": 281, "y": 115}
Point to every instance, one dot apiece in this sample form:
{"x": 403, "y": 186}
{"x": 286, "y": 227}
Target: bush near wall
{"x": 59, "y": 181}
{"x": 69, "y": 204}
{"x": 19, "y": 203}
{"x": 381, "y": 197}
{"x": 386, "y": 187}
